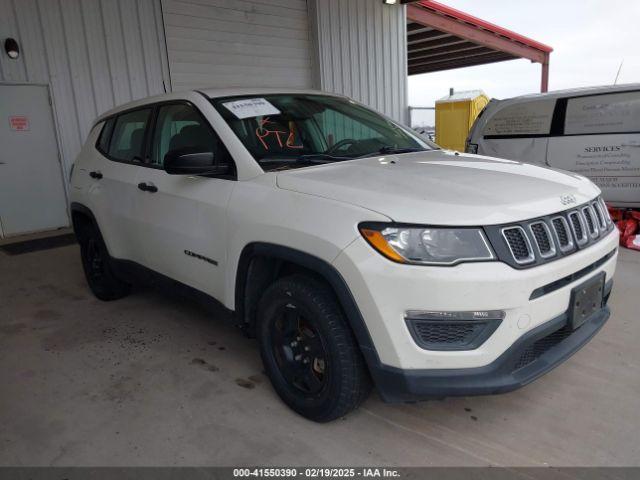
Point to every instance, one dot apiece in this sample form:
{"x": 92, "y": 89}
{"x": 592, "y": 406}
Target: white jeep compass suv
{"x": 356, "y": 252}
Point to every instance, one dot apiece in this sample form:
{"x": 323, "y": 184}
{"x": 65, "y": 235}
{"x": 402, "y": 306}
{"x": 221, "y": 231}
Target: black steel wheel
{"x": 299, "y": 350}
{"x": 308, "y": 350}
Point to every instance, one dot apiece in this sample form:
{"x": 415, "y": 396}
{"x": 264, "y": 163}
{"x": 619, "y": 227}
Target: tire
{"x": 325, "y": 381}
{"x": 97, "y": 267}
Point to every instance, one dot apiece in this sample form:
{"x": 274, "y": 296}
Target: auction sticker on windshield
{"x": 251, "y": 107}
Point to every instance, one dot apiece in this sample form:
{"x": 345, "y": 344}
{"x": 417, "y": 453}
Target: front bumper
{"x": 534, "y": 300}
{"x": 533, "y": 355}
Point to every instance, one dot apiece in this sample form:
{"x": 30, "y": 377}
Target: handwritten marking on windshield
{"x": 262, "y": 133}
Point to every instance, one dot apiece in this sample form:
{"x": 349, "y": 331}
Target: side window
{"x": 610, "y": 113}
{"x": 521, "y": 119}
{"x": 105, "y": 135}
{"x": 180, "y": 126}
{"x": 127, "y": 140}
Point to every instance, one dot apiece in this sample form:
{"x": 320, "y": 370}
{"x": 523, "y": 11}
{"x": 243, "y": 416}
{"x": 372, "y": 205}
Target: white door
{"x": 182, "y": 219}
{"x": 32, "y": 195}
{"x": 113, "y": 171}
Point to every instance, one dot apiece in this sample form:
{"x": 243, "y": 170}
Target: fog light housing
{"x": 432, "y": 330}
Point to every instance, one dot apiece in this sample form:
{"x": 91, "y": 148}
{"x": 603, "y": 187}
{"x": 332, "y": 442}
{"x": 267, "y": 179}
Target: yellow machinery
{"x": 455, "y": 115}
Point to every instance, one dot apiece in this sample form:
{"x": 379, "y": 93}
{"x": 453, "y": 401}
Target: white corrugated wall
{"x": 94, "y": 54}
{"x": 226, "y": 43}
{"x": 362, "y": 52}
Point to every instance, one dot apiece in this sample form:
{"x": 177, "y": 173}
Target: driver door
{"x": 183, "y": 218}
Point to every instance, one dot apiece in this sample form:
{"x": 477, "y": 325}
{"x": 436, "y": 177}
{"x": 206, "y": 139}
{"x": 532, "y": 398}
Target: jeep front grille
{"x": 563, "y": 234}
{"x": 539, "y": 240}
{"x": 600, "y": 215}
{"x": 543, "y": 240}
{"x": 589, "y": 216}
{"x": 519, "y": 244}
{"x": 578, "y": 227}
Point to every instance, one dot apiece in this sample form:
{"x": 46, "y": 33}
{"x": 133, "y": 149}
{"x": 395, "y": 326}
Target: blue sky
{"x": 589, "y": 39}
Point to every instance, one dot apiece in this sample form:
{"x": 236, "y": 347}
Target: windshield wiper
{"x": 322, "y": 156}
{"x": 390, "y": 150}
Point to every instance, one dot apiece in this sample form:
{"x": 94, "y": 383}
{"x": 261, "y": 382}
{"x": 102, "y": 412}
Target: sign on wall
{"x": 19, "y": 123}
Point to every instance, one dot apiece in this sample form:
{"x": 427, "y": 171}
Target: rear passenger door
{"x": 113, "y": 173}
{"x": 183, "y": 220}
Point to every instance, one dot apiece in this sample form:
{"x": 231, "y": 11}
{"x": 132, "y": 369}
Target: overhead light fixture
{"x": 12, "y": 49}
{"x": 389, "y": 2}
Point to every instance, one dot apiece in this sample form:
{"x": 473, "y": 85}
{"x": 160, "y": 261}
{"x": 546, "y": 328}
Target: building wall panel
{"x": 93, "y": 54}
{"x": 226, "y": 43}
{"x": 360, "y": 51}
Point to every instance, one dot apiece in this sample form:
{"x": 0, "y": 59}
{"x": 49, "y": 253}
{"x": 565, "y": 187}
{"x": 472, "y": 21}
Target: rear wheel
{"x": 308, "y": 350}
{"x": 97, "y": 266}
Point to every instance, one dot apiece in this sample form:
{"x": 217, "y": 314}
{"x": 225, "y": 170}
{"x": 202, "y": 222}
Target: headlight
{"x": 427, "y": 245}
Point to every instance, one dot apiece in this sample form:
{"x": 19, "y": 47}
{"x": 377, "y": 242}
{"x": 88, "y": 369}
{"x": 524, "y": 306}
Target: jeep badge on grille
{"x": 567, "y": 199}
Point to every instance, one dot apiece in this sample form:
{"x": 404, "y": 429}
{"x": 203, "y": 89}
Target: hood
{"x": 443, "y": 188}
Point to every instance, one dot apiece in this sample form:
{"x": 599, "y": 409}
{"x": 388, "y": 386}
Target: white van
{"x": 591, "y": 131}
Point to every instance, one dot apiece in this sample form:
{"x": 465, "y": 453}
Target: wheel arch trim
{"x": 322, "y": 268}
{"x": 83, "y": 209}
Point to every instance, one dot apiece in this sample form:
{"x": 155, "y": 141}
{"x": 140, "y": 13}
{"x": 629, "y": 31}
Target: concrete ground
{"x": 156, "y": 380}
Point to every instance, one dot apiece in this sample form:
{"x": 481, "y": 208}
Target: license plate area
{"x": 586, "y": 299}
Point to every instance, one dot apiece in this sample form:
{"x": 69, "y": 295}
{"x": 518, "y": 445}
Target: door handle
{"x": 147, "y": 188}
{"x": 97, "y": 175}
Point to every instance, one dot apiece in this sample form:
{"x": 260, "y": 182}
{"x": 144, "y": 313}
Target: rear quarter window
{"x": 525, "y": 118}
{"x": 127, "y": 139}
{"x": 105, "y": 135}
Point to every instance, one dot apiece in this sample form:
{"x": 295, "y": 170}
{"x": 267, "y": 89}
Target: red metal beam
{"x": 544, "y": 81}
{"x": 448, "y": 24}
{"x": 483, "y": 24}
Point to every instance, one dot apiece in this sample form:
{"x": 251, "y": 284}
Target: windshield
{"x": 292, "y": 131}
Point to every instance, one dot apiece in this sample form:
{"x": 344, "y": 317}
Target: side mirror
{"x": 191, "y": 161}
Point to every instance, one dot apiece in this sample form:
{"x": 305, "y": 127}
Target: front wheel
{"x": 309, "y": 352}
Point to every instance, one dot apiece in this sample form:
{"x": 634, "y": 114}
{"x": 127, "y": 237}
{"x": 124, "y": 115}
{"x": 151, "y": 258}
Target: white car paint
{"x": 459, "y": 189}
{"x": 317, "y": 210}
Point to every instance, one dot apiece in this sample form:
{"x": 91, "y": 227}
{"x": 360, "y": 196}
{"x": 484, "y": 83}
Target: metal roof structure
{"x": 443, "y": 38}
